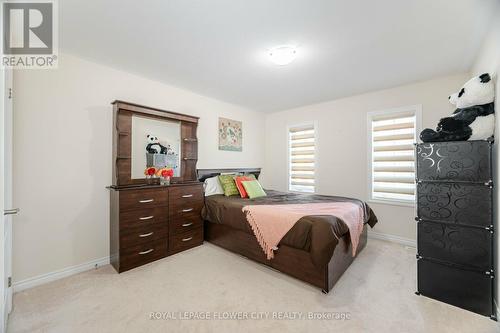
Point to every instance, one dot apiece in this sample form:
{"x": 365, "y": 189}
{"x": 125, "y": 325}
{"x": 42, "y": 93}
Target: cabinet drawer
{"x": 466, "y": 289}
{"x": 454, "y": 161}
{"x": 455, "y": 202}
{"x": 142, "y": 254}
{"x": 179, "y": 226}
{"x": 185, "y": 210}
{"x": 145, "y": 217}
{"x": 185, "y": 240}
{"x": 457, "y": 244}
{"x": 186, "y": 193}
{"x": 143, "y": 198}
{"x": 144, "y": 234}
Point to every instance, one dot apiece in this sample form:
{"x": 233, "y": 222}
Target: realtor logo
{"x": 29, "y": 34}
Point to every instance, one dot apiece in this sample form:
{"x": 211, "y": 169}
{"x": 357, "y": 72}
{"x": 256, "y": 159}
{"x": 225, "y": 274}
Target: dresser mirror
{"x": 172, "y": 143}
{"x": 157, "y": 143}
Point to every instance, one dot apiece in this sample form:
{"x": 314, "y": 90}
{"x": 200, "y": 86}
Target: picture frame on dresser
{"x": 152, "y": 221}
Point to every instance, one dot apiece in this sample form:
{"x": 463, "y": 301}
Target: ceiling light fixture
{"x": 283, "y": 55}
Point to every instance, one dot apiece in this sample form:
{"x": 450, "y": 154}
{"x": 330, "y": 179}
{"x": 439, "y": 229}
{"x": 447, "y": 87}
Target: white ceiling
{"x": 218, "y": 47}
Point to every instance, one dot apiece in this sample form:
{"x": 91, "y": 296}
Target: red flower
{"x": 150, "y": 171}
{"x": 167, "y": 173}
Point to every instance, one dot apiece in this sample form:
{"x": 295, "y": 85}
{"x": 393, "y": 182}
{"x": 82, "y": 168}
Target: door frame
{"x": 6, "y": 121}
{"x": 6, "y": 150}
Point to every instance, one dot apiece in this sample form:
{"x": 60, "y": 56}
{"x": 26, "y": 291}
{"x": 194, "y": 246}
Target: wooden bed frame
{"x": 294, "y": 262}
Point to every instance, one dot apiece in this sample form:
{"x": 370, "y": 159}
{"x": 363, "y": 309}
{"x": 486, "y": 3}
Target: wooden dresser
{"x": 152, "y": 222}
{"x": 149, "y": 221}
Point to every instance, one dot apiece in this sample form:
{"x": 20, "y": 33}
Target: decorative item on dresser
{"x": 455, "y": 224}
{"x": 150, "y": 221}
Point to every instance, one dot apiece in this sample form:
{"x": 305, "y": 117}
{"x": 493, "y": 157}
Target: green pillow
{"x": 228, "y": 185}
{"x": 253, "y": 189}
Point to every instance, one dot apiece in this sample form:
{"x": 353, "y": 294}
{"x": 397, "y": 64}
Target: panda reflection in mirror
{"x": 155, "y": 147}
{"x": 474, "y": 118}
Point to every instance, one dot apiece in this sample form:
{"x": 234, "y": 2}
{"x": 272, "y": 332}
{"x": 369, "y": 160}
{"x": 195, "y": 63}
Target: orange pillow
{"x": 239, "y": 185}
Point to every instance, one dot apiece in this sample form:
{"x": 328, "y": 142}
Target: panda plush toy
{"x": 474, "y": 118}
{"x": 154, "y": 146}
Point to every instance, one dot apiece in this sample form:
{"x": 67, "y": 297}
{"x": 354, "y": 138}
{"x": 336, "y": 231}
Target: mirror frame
{"x": 122, "y": 142}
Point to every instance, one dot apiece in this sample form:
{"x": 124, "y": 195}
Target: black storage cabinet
{"x": 455, "y": 224}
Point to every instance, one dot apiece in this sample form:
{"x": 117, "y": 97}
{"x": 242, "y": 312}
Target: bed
{"x": 317, "y": 250}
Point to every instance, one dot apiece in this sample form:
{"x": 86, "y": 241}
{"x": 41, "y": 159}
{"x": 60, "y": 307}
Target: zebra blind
{"x": 392, "y": 156}
{"x": 302, "y": 144}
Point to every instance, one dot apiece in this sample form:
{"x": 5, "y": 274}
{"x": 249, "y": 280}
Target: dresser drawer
{"x": 454, "y": 161}
{"x": 457, "y": 244}
{"x": 179, "y": 225}
{"x": 185, "y": 210}
{"x": 143, "y": 234}
{"x": 143, "y": 198}
{"x": 142, "y": 254}
{"x": 455, "y": 202}
{"x": 144, "y": 217}
{"x": 191, "y": 193}
{"x": 467, "y": 289}
{"x": 186, "y": 240}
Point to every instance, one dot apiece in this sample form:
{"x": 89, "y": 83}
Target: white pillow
{"x": 212, "y": 186}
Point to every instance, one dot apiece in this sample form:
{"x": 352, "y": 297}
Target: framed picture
{"x": 230, "y": 135}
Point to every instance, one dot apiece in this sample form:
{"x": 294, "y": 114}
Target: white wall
{"x": 62, "y": 155}
{"x": 488, "y": 60}
{"x": 342, "y": 167}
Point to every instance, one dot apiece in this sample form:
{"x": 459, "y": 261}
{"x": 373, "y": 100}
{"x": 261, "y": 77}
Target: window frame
{"x": 417, "y": 110}
{"x": 314, "y": 123}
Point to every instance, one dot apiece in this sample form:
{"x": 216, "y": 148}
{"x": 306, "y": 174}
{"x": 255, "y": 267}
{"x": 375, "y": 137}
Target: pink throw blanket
{"x": 270, "y": 223}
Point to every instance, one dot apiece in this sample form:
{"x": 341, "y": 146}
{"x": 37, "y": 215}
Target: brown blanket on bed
{"x": 315, "y": 234}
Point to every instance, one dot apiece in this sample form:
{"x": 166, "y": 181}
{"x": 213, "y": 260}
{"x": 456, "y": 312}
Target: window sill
{"x": 392, "y": 202}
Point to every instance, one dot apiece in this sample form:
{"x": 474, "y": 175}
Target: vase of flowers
{"x": 165, "y": 175}
{"x": 150, "y": 175}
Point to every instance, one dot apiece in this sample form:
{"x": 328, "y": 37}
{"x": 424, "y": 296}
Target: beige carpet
{"x": 376, "y": 294}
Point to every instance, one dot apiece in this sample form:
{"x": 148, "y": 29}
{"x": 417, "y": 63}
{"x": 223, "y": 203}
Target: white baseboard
{"x": 56, "y": 275}
{"x": 392, "y": 238}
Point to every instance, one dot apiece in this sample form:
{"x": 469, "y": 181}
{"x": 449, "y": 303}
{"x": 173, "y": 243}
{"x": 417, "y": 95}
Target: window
{"x": 302, "y": 153}
{"x": 392, "y": 134}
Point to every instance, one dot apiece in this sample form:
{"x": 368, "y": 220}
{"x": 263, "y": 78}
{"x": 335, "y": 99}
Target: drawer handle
{"x": 187, "y": 195}
{"x": 146, "y": 252}
{"x": 187, "y": 210}
{"x": 187, "y": 239}
{"x": 146, "y": 235}
{"x": 146, "y": 200}
{"x": 146, "y": 218}
{"x": 187, "y": 224}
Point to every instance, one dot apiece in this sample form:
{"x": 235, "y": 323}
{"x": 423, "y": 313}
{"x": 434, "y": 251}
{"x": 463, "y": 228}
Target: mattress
{"x": 317, "y": 235}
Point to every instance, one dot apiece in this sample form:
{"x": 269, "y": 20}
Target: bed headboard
{"x": 207, "y": 173}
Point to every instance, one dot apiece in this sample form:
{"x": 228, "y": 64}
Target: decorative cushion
{"x": 253, "y": 188}
{"x": 241, "y": 189}
{"x": 212, "y": 186}
{"x": 228, "y": 185}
